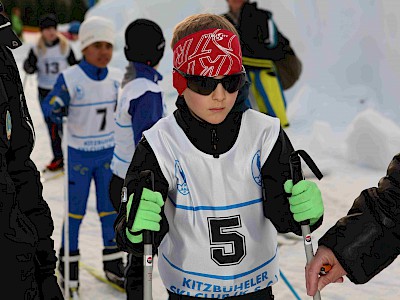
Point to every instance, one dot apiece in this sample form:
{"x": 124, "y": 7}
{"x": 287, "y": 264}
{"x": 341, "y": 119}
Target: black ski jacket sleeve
{"x": 23, "y": 171}
{"x": 367, "y": 240}
{"x": 27, "y": 224}
{"x": 275, "y": 172}
{"x": 143, "y": 159}
{"x": 253, "y": 20}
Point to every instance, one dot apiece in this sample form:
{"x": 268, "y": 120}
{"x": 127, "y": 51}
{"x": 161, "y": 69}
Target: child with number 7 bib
{"x": 214, "y": 225}
{"x": 87, "y": 92}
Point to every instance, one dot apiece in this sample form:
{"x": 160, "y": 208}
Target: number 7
{"x": 103, "y": 123}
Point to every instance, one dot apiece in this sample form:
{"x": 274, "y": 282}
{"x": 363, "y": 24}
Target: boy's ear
{"x": 126, "y": 51}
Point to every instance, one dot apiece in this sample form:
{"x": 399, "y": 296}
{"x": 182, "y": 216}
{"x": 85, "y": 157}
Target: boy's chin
{"x": 102, "y": 64}
{"x": 215, "y": 120}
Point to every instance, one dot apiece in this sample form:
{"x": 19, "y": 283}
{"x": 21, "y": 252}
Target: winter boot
{"x": 113, "y": 266}
{"x": 73, "y": 271}
{"x": 55, "y": 165}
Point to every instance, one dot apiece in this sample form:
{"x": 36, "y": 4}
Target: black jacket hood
{"x": 7, "y": 35}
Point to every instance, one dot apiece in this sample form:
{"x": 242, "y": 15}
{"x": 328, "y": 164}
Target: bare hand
{"x": 313, "y": 280}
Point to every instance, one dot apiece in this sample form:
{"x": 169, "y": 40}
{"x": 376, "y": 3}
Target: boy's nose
{"x": 219, "y": 93}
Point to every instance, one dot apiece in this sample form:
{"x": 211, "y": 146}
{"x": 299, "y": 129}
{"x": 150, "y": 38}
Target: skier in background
{"x": 87, "y": 92}
{"x": 16, "y": 21}
{"x": 140, "y": 105}
{"x": 27, "y": 255}
{"x": 263, "y": 47}
{"x": 49, "y": 58}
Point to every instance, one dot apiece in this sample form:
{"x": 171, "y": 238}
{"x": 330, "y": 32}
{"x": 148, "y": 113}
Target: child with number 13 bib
{"x": 216, "y": 234}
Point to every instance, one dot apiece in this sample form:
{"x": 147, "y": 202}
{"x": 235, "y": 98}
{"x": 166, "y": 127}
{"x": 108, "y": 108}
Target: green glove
{"x": 306, "y": 200}
{"x": 147, "y": 216}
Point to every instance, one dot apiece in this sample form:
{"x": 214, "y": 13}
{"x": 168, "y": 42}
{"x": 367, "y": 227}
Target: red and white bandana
{"x": 211, "y": 52}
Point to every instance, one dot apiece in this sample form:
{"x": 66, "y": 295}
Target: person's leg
{"x": 55, "y": 138}
{"x": 134, "y": 278}
{"x": 266, "y": 94}
{"x": 115, "y": 189}
{"x": 112, "y": 257}
{"x": 79, "y": 177}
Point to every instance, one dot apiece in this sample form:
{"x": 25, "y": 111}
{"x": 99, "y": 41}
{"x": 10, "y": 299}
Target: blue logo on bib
{"x": 181, "y": 184}
{"x": 256, "y": 168}
{"x": 79, "y": 92}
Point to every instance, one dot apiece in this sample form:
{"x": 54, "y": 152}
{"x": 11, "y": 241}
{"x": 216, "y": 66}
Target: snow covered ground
{"x": 343, "y": 112}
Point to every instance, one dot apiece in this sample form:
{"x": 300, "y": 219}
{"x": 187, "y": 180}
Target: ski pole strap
{"x": 296, "y": 171}
{"x": 294, "y": 158}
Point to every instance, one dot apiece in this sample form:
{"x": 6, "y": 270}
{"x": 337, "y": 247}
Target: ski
{"x": 99, "y": 276}
{"x": 50, "y": 175}
{"x": 73, "y": 292}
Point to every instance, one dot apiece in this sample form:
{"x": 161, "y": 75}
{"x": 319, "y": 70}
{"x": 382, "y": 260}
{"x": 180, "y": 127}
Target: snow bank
{"x": 372, "y": 140}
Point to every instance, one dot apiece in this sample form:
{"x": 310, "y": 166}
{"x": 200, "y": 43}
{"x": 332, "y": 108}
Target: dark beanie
{"x": 144, "y": 42}
{"x": 47, "y": 21}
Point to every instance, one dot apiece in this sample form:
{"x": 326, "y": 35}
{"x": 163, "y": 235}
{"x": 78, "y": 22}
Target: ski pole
{"x": 297, "y": 175}
{"x": 66, "y": 208}
{"x": 148, "y": 246}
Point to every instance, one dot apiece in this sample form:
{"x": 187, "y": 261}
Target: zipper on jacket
{"x": 214, "y": 141}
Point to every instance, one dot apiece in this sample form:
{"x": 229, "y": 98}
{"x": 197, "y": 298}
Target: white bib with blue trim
{"x": 124, "y": 135}
{"x": 50, "y": 65}
{"x": 91, "y": 109}
{"x": 219, "y": 243}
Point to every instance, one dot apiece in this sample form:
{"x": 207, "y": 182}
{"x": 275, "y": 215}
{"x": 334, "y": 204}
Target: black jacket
{"x": 209, "y": 139}
{"x": 252, "y": 26}
{"x": 27, "y": 255}
{"x": 367, "y": 240}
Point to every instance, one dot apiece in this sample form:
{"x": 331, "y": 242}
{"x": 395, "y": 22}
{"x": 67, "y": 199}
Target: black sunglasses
{"x": 204, "y": 85}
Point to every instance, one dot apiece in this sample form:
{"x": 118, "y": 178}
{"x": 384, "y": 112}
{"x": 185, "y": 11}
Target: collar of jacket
{"x": 92, "y": 71}
{"x": 213, "y": 139}
{"x": 139, "y": 70}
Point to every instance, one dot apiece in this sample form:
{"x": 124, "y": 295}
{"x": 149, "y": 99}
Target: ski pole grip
{"x": 295, "y": 168}
{"x": 297, "y": 173}
{"x": 147, "y": 237}
{"x": 148, "y": 177}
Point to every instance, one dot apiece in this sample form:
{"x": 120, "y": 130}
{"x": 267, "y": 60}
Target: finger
{"x": 327, "y": 279}
{"x": 147, "y": 225}
{"x": 288, "y": 185}
{"x": 152, "y": 196}
{"x": 150, "y": 216}
{"x": 311, "y": 279}
{"x": 340, "y": 280}
{"x": 299, "y": 207}
{"x": 302, "y": 186}
{"x": 146, "y": 205}
{"x": 307, "y": 215}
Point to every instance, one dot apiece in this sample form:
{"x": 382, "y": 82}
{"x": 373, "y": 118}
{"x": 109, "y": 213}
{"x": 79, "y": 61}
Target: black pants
{"x": 265, "y": 294}
{"x": 53, "y": 128}
{"x": 134, "y": 278}
{"x": 115, "y": 189}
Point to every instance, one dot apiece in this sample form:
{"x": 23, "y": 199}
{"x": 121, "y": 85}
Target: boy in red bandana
{"x": 215, "y": 232}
